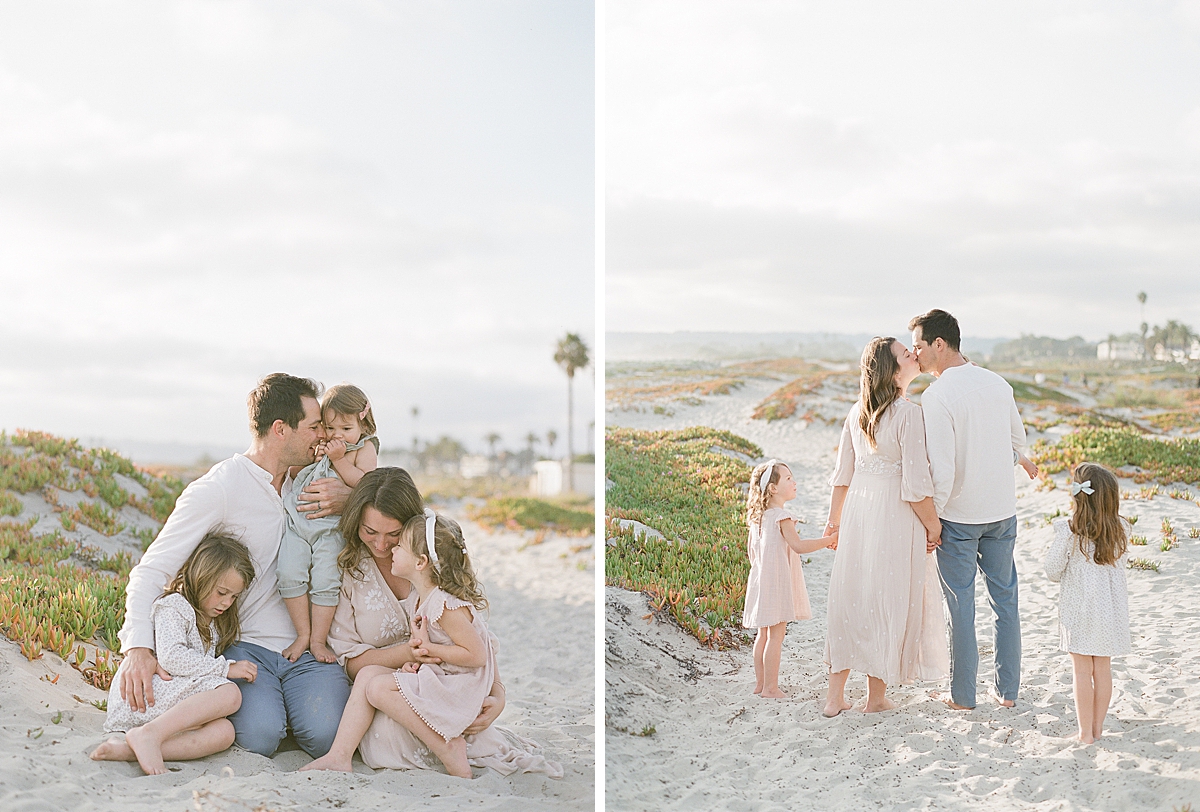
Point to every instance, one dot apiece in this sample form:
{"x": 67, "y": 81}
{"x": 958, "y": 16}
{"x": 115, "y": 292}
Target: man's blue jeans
{"x": 990, "y": 547}
{"x": 308, "y": 694}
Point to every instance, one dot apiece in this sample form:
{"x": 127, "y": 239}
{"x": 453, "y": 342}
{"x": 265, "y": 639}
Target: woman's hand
{"x": 492, "y": 706}
{"x": 323, "y": 497}
{"x": 833, "y": 539}
{"x": 933, "y": 537}
{"x": 242, "y": 669}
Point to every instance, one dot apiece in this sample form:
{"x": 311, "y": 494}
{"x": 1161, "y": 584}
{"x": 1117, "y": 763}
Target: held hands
{"x": 1029, "y": 465}
{"x": 242, "y": 669}
{"x": 933, "y": 538}
{"x": 335, "y": 449}
{"x": 137, "y": 678}
{"x": 833, "y": 540}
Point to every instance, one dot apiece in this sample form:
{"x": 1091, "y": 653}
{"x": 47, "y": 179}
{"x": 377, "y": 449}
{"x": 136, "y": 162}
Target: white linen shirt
{"x": 236, "y": 495}
{"x": 972, "y": 426}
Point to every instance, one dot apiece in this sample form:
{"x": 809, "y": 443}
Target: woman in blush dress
{"x": 885, "y": 605}
{"x": 372, "y": 627}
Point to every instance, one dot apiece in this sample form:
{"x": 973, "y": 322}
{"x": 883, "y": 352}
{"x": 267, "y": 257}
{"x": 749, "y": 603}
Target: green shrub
{"x": 1164, "y": 461}
{"x": 533, "y": 514}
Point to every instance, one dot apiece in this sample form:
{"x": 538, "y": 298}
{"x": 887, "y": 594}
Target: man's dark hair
{"x": 937, "y": 324}
{"x": 278, "y": 397}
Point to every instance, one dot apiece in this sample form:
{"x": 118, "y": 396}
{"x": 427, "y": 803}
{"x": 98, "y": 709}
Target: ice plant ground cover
{"x": 689, "y": 486}
{"x": 57, "y": 592}
{"x": 515, "y": 513}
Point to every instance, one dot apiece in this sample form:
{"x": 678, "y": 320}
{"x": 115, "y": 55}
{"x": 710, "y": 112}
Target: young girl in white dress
{"x": 1088, "y": 557}
{"x": 775, "y": 592}
{"x": 435, "y": 702}
{"x": 194, "y": 620}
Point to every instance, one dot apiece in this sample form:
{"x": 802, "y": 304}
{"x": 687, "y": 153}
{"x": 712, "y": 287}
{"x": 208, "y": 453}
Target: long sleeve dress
{"x": 1093, "y": 605}
{"x": 180, "y": 651}
{"x": 775, "y": 591}
{"x": 885, "y": 604}
{"x": 369, "y": 616}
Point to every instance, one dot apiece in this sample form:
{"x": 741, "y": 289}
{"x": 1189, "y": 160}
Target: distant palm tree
{"x": 491, "y": 440}
{"x": 1145, "y": 327}
{"x": 571, "y": 355}
{"x": 533, "y": 440}
{"x": 415, "y": 413}
{"x": 551, "y": 439}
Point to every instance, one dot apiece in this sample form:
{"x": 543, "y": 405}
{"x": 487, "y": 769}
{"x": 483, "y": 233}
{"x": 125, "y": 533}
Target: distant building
{"x": 472, "y": 466}
{"x": 550, "y": 478}
{"x": 1119, "y": 351}
{"x": 1177, "y": 354}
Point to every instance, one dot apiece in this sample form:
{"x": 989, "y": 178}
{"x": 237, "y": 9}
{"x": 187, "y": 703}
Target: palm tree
{"x": 491, "y": 440}
{"x": 571, "y": 354}
{"x": 551, "y": 439}
{"x": 533, "y": 440}
{"x": 415, "y": 413}
{"x": 1145, "y": 327}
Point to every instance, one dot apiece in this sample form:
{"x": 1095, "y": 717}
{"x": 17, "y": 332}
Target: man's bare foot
{"x": 296, "y": 649}
{"x": 883, "y": 704}
{"x": 832, "y": 709}
{"x": 773, "y": 693}
{"x": 147, "y": 748}
{"x": 948, "y": 702}
{"x": 329, "y": 761}
{"x": 454, "y": 758}
{"x": 1006, "y": 703}
{"x": 322, "y": 652}
{"x": 114, "y": 750}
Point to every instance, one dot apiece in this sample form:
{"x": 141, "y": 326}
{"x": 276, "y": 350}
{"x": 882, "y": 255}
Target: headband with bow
{"x": 430, "y": 524}
{"x": 765, "y": 479}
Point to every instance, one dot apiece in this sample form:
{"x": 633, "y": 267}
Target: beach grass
{"x": 526, "y": 513}
{"x": 685, "y": 485}
{"x": 781, "y": 404}
{"x": 1163, "y": 461}
{"x": 1034, "y": 393}
{"x": 57, "y": 594}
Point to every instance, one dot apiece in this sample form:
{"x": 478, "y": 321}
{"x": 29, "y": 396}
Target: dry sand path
{"x": 542, "y": 610}
{"x": 716, "y": 746}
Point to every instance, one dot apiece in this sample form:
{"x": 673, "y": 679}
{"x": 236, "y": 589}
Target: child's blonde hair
{"x": 453, "y": 571}
{"x": 757, "y": 497}
{"x": 216, "y": 554}
{"x": 347, "y": 399}
{"x": 1095, "y": 515}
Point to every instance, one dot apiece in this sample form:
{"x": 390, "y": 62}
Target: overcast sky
{"x": 195, "y": 194}
{"x": 1029, "y": 166}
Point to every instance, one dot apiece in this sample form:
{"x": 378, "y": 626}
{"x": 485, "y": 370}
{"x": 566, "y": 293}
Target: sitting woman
{"x": 372, "y": 627}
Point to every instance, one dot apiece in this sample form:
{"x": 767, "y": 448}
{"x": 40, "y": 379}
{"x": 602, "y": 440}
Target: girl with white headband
{"x": 1088, "y": 557}
{"x": 775, "y": 592}
{"x": 436, "y": 703}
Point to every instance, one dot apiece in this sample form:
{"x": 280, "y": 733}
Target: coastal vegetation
{"x": 526, "y": 513}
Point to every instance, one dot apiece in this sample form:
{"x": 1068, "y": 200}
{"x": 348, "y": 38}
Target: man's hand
{"x": 137, "y": 678}
{"x": 488, "y": 714}
{"x": 323, "y": 497}
{"x": 933, "y": 538}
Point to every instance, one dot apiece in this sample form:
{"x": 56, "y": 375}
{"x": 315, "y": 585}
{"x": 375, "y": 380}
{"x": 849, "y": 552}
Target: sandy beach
{"x": 542, "y": 610}
{"x": 714, "y": 745}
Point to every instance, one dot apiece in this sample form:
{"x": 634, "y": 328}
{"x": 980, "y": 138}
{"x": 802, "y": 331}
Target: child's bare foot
{"x": 773, "y": 693}
{"x": 881, "y": 705}
{"x": 832, "y": 709}
{"x": 147, "y": 748}
{"x": 454, "y": 757}
{"x": 296, "y": 649}
{"x": 329, "y": 761}
{"x": 114, "y": 750}
{"x": 1086, "y": 738}
{"x": 758, "y": 687}
{"x": 322, "y": 652}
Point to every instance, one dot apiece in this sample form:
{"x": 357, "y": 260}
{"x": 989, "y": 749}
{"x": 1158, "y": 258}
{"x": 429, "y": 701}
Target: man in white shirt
{"x": 972, "y": 428}
{"x": 241, "y": 495}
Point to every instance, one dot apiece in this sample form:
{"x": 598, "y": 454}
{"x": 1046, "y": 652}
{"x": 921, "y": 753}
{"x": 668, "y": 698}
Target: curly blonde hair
{"x": 453, "y": 571}
{"x": 756, "y": 498}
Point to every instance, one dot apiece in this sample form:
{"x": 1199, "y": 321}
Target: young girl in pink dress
{"x": 435, "y": 702}
{"x": 775, "y": 592}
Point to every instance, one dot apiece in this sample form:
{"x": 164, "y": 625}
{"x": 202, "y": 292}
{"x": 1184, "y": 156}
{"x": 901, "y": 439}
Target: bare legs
{"x": 768, "y": 650}
{"x": 1092, "y": 677}
{"x": 298, "y": 611}
{"x": 322, "y": 619}
{"x": 835, "y": 699}
{"x": 877, "y": 696}
{"x": 194, "y": 728}
{"x": 375, "y": 688}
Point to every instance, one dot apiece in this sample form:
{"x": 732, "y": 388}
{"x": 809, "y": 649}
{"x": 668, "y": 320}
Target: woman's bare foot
{"x": 114, "y": 750}
{"x": 329, "y": 761}
{"x": 1085, "y": 738}
{"x": 454, "y": 757}
{"x": 147, "y": 748}
{"x": 832, "y": 709}
{"x": 322, "y": 652}
{"x": 296, "y": 649}
{"x": 773, "y": 693}
{"x": 758, "y": 688}
{"x": 883, "y": 704}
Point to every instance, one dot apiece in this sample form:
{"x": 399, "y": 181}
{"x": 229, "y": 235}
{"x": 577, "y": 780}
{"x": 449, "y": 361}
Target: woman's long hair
{"x": 216, "y": 554}
{"x": 393, "y": 493}
{"x": 756, "y": 497}
{"x": 877, "y": 384}
{"x": 453, "y": 571}
{"x": 1094, "y": 515}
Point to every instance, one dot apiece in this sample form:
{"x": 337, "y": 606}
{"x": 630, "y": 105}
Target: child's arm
{"x": 1029, "y": 465}
{"x": 351, "y": 470}
{"x": 468, "y": 650}
{"x": 787, "y": 525}
{"x": 1059, "y": 552}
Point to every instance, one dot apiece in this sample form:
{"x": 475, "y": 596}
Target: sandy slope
{"x": 716, "y": 745}
{"x": 542, "y": 609}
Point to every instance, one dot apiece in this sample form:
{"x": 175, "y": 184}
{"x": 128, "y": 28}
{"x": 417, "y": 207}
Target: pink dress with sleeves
{"x": 885, "y": 602}
{"x": 775, "y": 591}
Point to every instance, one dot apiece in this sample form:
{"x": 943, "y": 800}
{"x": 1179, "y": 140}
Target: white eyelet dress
{"x": 1093, "y": 605}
